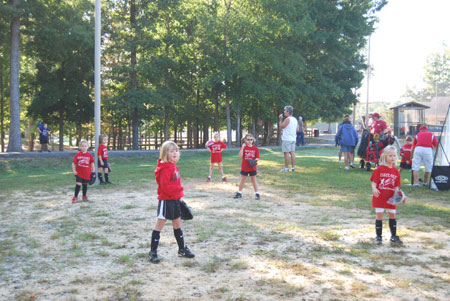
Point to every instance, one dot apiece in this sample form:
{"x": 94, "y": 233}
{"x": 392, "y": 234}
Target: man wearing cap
{"x": 290, "y": 128}
{"x": 422, "y": 151}
{"x": 378, "y": 126}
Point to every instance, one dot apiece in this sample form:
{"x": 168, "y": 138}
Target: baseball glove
{"x": 209, "y": 143}
{"x": 186, "y": 212}
{"x": 93, "y": 178}
{"x": 252, "y": 162}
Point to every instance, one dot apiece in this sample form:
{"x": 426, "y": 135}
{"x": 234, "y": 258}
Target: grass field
{"x": 309, "y": 237}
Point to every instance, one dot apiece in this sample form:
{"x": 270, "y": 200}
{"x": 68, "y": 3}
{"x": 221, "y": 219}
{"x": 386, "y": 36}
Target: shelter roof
{"x": 412, "y": 105}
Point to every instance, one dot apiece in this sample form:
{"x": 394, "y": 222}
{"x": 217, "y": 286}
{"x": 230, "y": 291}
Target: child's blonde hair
{"x": 216, "y": 134}
{"x": 101, "y": 137}
{"x": 248, "y": 135}
{"x": 164, "y": 152}
{"x": 386, "y": 151}
{"x": 82, "y": 141}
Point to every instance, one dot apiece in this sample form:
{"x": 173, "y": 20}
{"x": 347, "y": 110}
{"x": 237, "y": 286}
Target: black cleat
{"x": 396, "y": 240}
{"x": 153, "y": 257}
{"x": 108, "y": 182}
{"x": 257, "y": 196}
{"x": 102, "y": 183}
{"x": 379, "y": 240}
{"x": 185, "y": 253}
{"x": 237, "y": 195}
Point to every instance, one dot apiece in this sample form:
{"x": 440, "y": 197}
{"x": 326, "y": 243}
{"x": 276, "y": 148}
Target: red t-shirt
{"x": 425, "y": 139}
{"x": 83, "y": 162}
{"x": 216, "y": 151}
{"x": 378, "y": 127}
{"x": 387, "y": 179}
{"x": 168, "y": 178}
{"x": 103, "y": 151}
{"x": 249, "y": 153}
{"x": 405, "y": 152}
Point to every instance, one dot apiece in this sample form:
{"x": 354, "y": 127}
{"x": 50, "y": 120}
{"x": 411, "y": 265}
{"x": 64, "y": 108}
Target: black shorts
{"x": 81, "y": 180}
{"x": 405, "y": 166}
{"x": 105, "y": 163}
{"x": 248, "y": 173}
{"x": 169, "y": 209}
{"x": 43, "y": 140}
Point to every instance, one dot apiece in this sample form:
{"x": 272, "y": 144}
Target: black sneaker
{"x": 396, "y": 240}
{"x": 185, "y": 253}
{"x": 379, "y": 240}
{"x": 257, "y": 196}
{"x": 153, "y": 257}
{"x": 102, "y": 183}
{"x": 237, "y": 195}
{"x": 108, "y": 182}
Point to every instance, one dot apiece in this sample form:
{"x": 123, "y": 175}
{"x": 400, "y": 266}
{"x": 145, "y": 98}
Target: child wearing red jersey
{"x": 216, "y": 156}
{"x": 82, "y": 167}
{"x": 103, "y": 164}
{"x": 170, "y": 192}
{"x": 405, "y": 153}
{"x": 248, "y": 151}
{"x": 385, "y": 182}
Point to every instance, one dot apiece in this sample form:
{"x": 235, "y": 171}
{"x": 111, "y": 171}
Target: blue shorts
{"x": 347, "y": 148}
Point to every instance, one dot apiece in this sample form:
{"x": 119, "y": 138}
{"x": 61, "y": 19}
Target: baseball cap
{"x": 376, "y": 115}
{"x": 423, "y": 127}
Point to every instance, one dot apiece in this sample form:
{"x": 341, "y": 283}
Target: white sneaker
{"x": 347, "y": 168}
{"x": 285, "y": 170}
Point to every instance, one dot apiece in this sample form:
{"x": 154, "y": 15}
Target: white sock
{"x": 240, "y": 192}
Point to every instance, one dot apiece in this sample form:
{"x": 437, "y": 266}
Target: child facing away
{"x": 82, "y": 167}
{"x": 103, "y": 164}
{"x": 170, "y": 191}
{"x": 385, "y": 182}
{"x": 405, "y": 153}
{"x": 216, "y": 156}
{"x": 248, "y": 151}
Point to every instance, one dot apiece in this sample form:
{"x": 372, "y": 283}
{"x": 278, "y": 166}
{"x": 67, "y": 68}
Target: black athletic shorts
{"x": 81, "y": 180}
{"x": 105, "y": 163}
{"x": 169, "y": 209}
{"x": 248, "y": 173}
{"x": 405, "y": 165}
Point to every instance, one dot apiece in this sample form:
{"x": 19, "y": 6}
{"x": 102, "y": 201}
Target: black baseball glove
{"x": 93, "y": 178}
{"x": 186, "y": 212}
{"x": 252, "y": 162}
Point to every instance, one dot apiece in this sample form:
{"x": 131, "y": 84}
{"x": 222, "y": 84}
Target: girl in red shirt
{"x": 103, "y": 164}
{"x": 385, "y": 182}
{"x": 82, "y": 167}
{"x": 216, "y": 156}
{"x": 248, "y": 151}
{"x": 170, "y": 191}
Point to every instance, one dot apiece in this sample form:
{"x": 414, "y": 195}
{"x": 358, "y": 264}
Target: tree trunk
{"x": 2, "y": 112}
{"x": 216, "y": 109}
{"x": 31, "y": 135}
{"x": 189, "y": 134}
{"x": 15, "y": 143}
{"x": 205, "y": 132}
{"x": 166, "y": 123}
{"x": 133, "y": 75}
{"x": 61, "y": 129}
{"x": 255, "y": 134}
{"x": 227, "y": 103}
{"x": 238, "y": 127}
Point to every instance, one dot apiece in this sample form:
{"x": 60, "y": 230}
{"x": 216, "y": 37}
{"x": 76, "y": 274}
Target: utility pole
{"x": 97, "y": 79}
{"x": 368, "y": 78}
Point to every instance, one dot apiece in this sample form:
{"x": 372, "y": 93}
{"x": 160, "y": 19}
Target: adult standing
{"x": 44, "y": 133}
{"x": 422, "y": 151}
{"x": 347, "y": 137}
{"x": 289, "y": 126}
{"x": 300, "y": 132}
{"x": 378, "y": 126}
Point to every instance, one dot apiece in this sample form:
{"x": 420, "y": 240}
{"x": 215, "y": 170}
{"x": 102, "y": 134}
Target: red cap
{"x": 423, "y": 128}
{"x": 376, "y": 115}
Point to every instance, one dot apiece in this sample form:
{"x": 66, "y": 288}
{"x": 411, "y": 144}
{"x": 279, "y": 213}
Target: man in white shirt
{"x": 289, "y": 126}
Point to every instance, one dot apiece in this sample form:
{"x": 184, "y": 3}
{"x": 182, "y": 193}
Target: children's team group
{"x": 385, "y": 183}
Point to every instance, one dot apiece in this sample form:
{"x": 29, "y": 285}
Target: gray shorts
{"x": 425, "y": 155}
{"x": 288, "y": 146}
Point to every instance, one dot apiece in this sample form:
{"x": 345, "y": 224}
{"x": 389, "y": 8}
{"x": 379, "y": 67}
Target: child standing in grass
{"x": 216, "y": 156}
{"x": 248, "y": 151}
{"x": 385, "y": 182}
{"x": 170, "y": 192}
{"x": 405, "y": 153}
{"x": 103, "y": 164}
{"x": 82, "y": 167}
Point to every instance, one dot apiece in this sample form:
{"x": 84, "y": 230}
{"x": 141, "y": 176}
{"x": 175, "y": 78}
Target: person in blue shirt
{"x": 44, "y": 133}
{"x": 347, "y": 138}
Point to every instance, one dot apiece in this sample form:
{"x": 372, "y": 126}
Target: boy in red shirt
{"x": 385, "y": 182}
{"x": 170, "y": 192}
{"x": 82, "y": 167}
{"x": 248, "y": 151}
{"x": 216, "y": 156}
{"x": 103, "y": 164}
{"x": 405, "y": 153}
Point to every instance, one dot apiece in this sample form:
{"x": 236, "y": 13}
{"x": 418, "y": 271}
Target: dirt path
{"x": 277, "y": 248}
